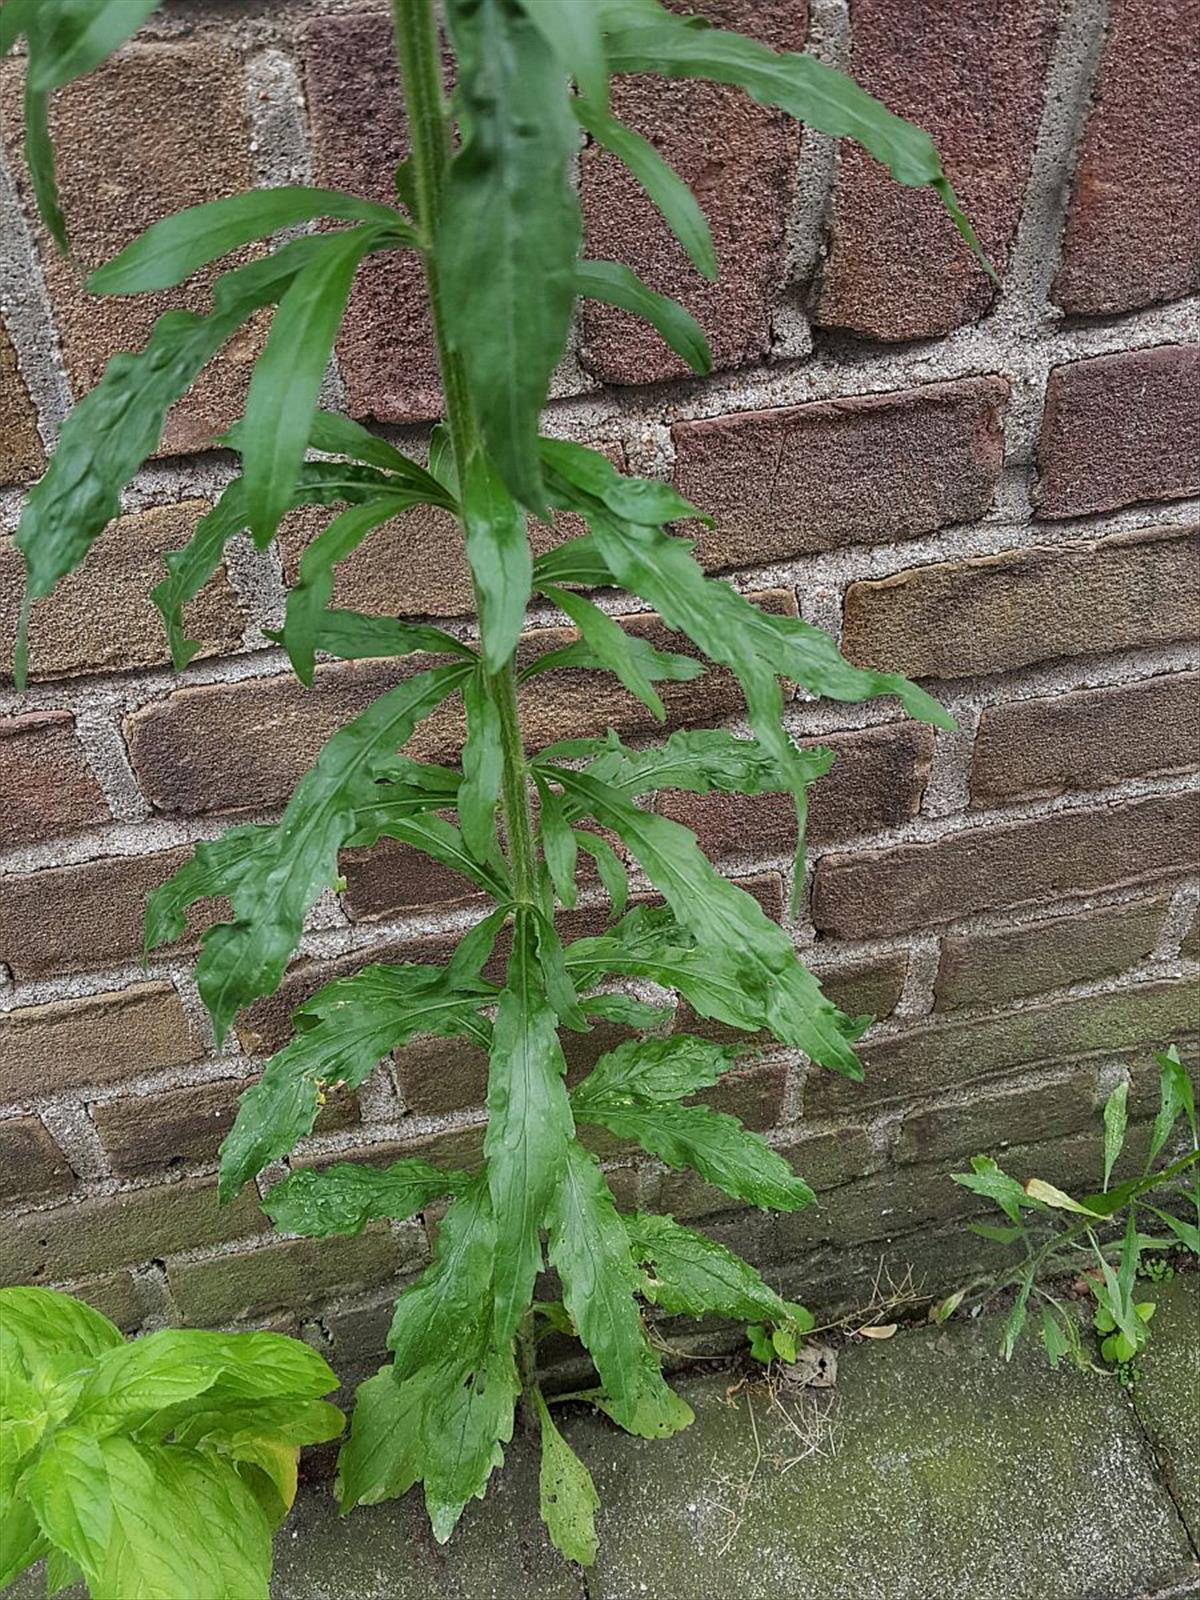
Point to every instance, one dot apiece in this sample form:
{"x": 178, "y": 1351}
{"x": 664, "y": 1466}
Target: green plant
{"x": 487, "y": 202}
{"x": 158, "y": 1467}
{"x": 1099, "y": 1234}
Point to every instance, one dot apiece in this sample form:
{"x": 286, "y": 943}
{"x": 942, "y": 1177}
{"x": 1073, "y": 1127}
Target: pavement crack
{"x": 1163, "y": 1473}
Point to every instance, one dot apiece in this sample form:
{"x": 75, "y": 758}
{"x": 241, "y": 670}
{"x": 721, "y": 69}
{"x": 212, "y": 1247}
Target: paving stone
{"x": 1167, "y": 1394}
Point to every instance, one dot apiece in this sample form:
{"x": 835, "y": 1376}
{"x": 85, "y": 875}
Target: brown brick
{"x": 991, "y": 1123}
{"x": 192, "y": 752}
{"x": 101, "y": 618}
{"x": 1118, "y": 429}
{"x": 21, "y": 453}
{"x": 978, "y": 969}
{"x": 453, "y": 1148}
{"x": 1087, "y": 739}
{"x": 99, "y": 1040}
{"x": 937, "y": 1056}
{"x": 393, "y": 877}
{"x": 438, "y": 1075}
{"x": 875, "y": 783}
{"x": 32, "y": 1167}
{"x": 1023, "y": 863}
{"x": 159, "y": 127}
{"x": 867, "y": 469}
{"x": 897, "y": 267}
{"x": 86, "y": 1237}
{"x": 738, "y": 159}
{"x": 386, "y": 352}
{"x": 153, "y": 1133}
{"x": 114, "y": 1296}
{"x": 82, "y": 917}
{"x": 46, "y": 786}
{"x": 994, "y": 613}
{"x": 1189, "y": 949}
{"x": 291, "y": 1274}
{"x": 871, "y": 984}
{"x": 1133, "y": 234}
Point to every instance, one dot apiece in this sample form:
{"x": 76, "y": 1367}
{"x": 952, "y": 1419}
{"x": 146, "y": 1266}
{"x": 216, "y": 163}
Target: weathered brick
{"x": 114, "y": 1296}
{"x": 46, "y": 786}
{"x": 871, "y": 984}
{"x": 291, "y": 1274}
{"x": 84, "y": 916}
{"x": 884, "y": 1206}
{"x": 988, "y": 869}
{"x": 392, "y": 877}
{"x": 992, "y": 1123}
{"x": 454, "y": 1148}
{"x": 386, "y": 352}
{"x": 1190, "y": 946}
{"x": 159, "y": 127}
{"x": 978, "y": 969}
{"x": 738, "y": 159}
{"x": 438, "y": 1075}
{"x": 876, "y": 782}
{"x": 1118, "y": 429}
{"x": 100, "y": 618}
{"x": 87, "y": 1237}
{"x": 1133, "y": 233}
{"x": 866, "y": 469}
{"x": 940, "y": 1055}
{"x": 147, "y": 1134}
{"x": 99, "y": 1040}
{"x": 972, "y": 75}
{"x": 1087, "y": 739}
{"x": 192, "y": 752}
{"x": 21, "y": 453}
{"x": 994, "y": 613}
{"x": 32, "y": 1167}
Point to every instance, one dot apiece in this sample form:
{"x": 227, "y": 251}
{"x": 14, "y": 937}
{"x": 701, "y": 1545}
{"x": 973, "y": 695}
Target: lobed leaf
{"x": 453, "y": 1292}
{"x": 351, "y": 636}
{"x": 567, "y": 1498}
{"x": 614, "y": 284}
{"x": 695, "y": 759}
{"x": 654, "y": 1070}
{"x": 697, "y": 1277}
{"x": 634, "y": 661}
{"x": 468, "y": 1415}
{"x": 345, "y": 1197}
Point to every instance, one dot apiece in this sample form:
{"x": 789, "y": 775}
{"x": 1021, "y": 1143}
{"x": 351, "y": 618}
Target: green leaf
{"x": 346, "y": 1029}
{"x": 715, "y": 1145}
{"x": 647, "y": 501}
{"x": 21, "y": 1539}
{"x": 213, "y": 866}
{"x": 39, "y": 158}
{"x": 1176, "y": 1096}
{"x": 510, "y": 229}
{"x": 289, "y": 868}
{"x": 501, "y": 563}
{"x": 590, "y": 1250}
{"x": 655, "y": 1070}
{"x": 559, "y": 844}
{"x": 670, "y": 194}
{"x": 1048, "y": 1195}
{"x": 572, "y": 30}
{"x": 454, "y": 1289}
{"x": 483, "y": 769}
{"x": 14, "y": 19}
{"x": 633, "y": 660}
{"x": 573, "y": 561}
{"x": 988, "y": 1180}
{"x": 609, "y": 865}
{"x": 61, "y": 1572}
{"x": 696, "y": 759}
{"x": 345, "y": 1197}
{"x": 737, "y": 934}
{"x": 1188, "y": 1233}
{"x": 383, "y": 1456}
{"x": 468, "y": 1416}
{"x": 341, "y": 436}
{"x": 626, "y": 1011}
{"x": 1055, "y": 1341}
{"x": 615, "y": 284}
{"x": 822, "y": 98}
{"x": 568, "y": 1501}
{"x": 351, "y": 636}
{"x": 170, "y": 251}
{"x": 529, "y": 1124}
{"x": 1114, "y": 1127}
{"x": 119, "y": 423}
{"x": 76, "y": 37}
{"x": 696, "y": 1276}
{"x": 1014, "y": 1323}
{"x": 37, "y": 1326}
{"x": 282, "y": 399}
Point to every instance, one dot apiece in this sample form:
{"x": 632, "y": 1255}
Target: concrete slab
{"x": 1167, "y": 1392}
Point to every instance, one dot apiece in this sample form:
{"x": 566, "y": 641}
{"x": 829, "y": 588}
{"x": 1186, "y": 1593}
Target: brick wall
{"x": 989, "y": 492}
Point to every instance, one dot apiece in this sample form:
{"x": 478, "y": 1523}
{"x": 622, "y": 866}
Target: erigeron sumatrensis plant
{"x": 487, "y": 201}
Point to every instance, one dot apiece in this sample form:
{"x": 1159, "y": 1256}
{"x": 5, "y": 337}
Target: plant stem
{"x": 419, "y": 56}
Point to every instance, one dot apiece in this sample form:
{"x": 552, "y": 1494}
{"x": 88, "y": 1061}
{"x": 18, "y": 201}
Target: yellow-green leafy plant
{"x": 487, "y": 202}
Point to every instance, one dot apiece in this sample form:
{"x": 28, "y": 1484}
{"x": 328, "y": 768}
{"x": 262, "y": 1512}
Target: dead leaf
{"x": 884, "y": 1332}
{"x": 815, "y": 1367}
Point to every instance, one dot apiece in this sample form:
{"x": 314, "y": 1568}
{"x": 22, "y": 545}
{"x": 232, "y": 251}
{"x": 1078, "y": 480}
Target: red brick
{"x": 991, "y": 1123}
{"x": 869, "y": 984}
{"x": 1087, "y": 739}
{"x": 46, "y": 787}
{"x": 868, "y": 469}
{"x": 1133, "y": 234}
{"x": 154, "y": 1133}
{"x": 994, "y": 613}
{"x": 935, "y": 1056}
{"x": 101, "y": 618}
{"x": 984, "y": 968}
{"x": 86, "y": 1237}
{"x": 875, "y": 783}
{"x": 1119, "y": 429}
{"x": 193, "y": 754}
{"x": 990, "y": 868}
{"x": 393, "y": 877}
{"x": 738, "y": 158}
{"x": 32, "y": 1167}
{"x": 386, "y": 352}
{"x": 159, "y": 127}
{"x": 972, "y": 75}
{"x": 114, "y": 1296}
{"x": 21, "y": 453}
{"x": 102, "y": 1039}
